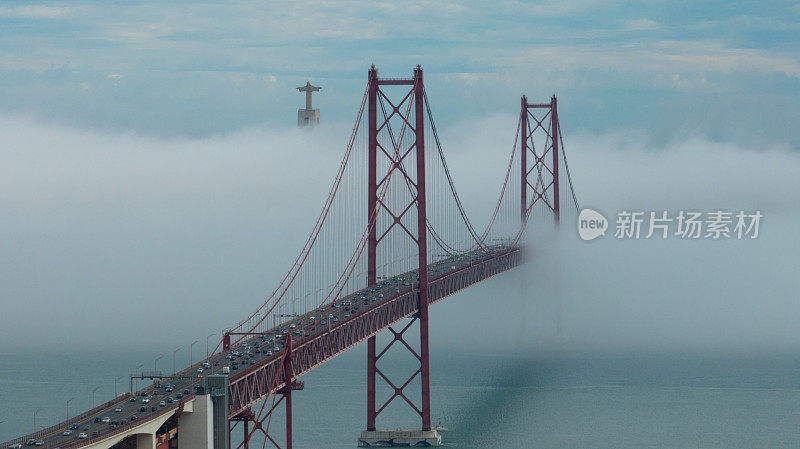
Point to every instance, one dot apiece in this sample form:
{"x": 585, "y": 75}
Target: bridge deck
{"x": 381, "y": 306}
{"x": 364, "y": 313}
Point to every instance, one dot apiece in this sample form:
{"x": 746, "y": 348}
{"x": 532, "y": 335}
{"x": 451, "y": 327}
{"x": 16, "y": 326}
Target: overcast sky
{"x": 723, "y": 69}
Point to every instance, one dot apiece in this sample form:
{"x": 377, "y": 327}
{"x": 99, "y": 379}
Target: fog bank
{"x": 131, "y": 240}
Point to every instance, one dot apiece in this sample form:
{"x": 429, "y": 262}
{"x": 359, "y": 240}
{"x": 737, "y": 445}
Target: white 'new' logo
{"x": 591, "y": 224}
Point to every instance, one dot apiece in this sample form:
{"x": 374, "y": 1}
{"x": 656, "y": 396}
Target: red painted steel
{"x": 372, "y": 242}
{"x": 540, "y": 178}
{"x": 248, "y": 387}
{"x": 277, "y": 374}
{"x": 422, "y": 243}
{"x": 417, "y": 92}
{"x": 554, "y": 134}
{"x": 523, "y": 154}
{"x": 247, "y": 416}
{"x": 287, "y": 388}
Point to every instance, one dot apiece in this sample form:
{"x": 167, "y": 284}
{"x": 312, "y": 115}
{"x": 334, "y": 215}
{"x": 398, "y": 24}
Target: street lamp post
{"x": 207, "y": 345}
{"x": 190, "y": 351}
{"x": 67, "y": 407}
{"x": 115, "y": 385}
{"x": 155, "y": 364}
{"x": 93, "y": 391}
{"x": 34, "y": 418}
{"x": 135, "y": 370}
{"x": 173, "y": 360}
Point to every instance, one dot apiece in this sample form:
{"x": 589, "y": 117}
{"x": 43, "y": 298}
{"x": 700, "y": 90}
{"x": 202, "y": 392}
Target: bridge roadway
{"x": 315, "y": 339}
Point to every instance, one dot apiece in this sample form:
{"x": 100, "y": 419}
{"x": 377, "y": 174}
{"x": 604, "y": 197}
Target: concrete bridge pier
{"x": 146, "y": 441}
{"x": 413, "y": 438}
{"x": 196, "y": 428}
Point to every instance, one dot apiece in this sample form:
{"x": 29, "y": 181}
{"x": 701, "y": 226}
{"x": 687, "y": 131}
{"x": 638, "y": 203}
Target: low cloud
{"x": 646, "y": 295}
{"x": 116, "y": 238}
{"x": 641, "y": 25}
{"x": 34, "y": 12}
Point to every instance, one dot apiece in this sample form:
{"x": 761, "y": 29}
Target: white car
{"x": 106, "y": 419}
{"x": 83, "y": 436}
{"x": 144, "y": 401}
{"x": 118, "y": 409}
{"x": 67, "y": 433}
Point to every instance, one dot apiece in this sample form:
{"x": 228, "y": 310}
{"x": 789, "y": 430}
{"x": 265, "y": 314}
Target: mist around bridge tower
{"x": 155, "y": 229}
{"x": 128, "y": 244}
{"x": 155, "y": 188}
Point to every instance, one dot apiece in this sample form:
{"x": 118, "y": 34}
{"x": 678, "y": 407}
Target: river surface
{"x": 484, "y": 399}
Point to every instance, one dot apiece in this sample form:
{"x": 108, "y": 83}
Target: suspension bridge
{"x": 392, "y": 238}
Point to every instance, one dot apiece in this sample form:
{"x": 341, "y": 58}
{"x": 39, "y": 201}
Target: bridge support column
{"x": 539, "y": 178}
{"x": 288, "y": 378}
{"x": 216, "y": 386}
{"x": 372, "y": 239}
{"x": 396, "y": 156}
{"x": 422, "y": 246}
{"x": 196, "y": 428}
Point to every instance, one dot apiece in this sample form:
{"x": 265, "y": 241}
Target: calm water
{"x": 486, "y": 401}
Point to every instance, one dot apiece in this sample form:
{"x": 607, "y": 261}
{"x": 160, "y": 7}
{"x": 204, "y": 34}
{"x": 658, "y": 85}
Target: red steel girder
{"x": 282, "y": 395}
{"x": 417, "y": 185}
{"x": 541, "y": 186}
{"x": 398, "y": 391}
{"x": 249, "y": 386}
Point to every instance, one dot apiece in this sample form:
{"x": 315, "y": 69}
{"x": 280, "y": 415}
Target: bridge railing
{"x": 65, "y": 424}
{"x": 129, "y": 425}
{"x": 247, "y": 387}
